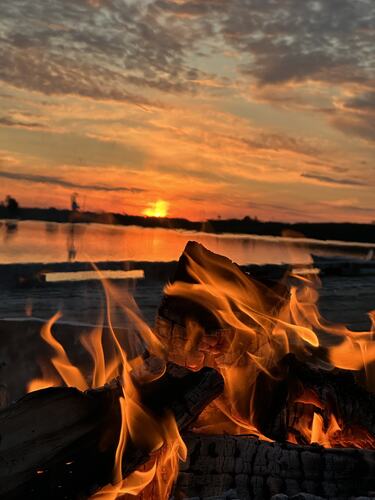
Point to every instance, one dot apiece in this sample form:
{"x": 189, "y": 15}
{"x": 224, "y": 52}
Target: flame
{"x": 123, "y": 359}
{"x": 252, "y": 329}
{"x": 256, "y": 328}
{"x": 64, "y": 370}
{"x": 157, "y": 208}
{"x": 317, "y": 424}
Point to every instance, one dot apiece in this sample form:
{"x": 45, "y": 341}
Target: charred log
{"x": 212, "y": 345}
{"x": 251, "y": 469}
{"x": 60, "y": 443}
{"x": 337, "y": 389}
{"x": 214, "y": 337}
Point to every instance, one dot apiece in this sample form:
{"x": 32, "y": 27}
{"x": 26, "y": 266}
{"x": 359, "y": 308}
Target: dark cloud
{"x": 333, "y": 180}
{"x": 101, "y": 48}
{"x": 7, "y": 121}
{"x": 360, "y": 126}
{"x": 294, "y": 41}
{"x": 192, "y": 8}
{"x": 278, "y": 142}
{"x": 119, "y": 49}
{"x": 56, "y": 75}
{"x": 363, "y": 103}
{"x": 356, "y": 116}
{"x": 95, "y": 49}
{"x": 57, "y": 181}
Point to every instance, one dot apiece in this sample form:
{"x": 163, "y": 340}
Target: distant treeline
{"x": 323, "y": 231}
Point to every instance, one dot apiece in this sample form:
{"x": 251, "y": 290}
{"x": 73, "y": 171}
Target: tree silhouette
{"x": 74, "y": 202}
{"x": 11, "y": 204}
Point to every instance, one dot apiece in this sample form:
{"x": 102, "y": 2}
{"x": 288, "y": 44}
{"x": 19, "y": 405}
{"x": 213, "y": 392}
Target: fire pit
{"x": 242, "y": 391}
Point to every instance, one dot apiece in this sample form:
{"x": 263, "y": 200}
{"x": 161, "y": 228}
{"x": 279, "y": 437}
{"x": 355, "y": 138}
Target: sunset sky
{"x": 212, "y": 107}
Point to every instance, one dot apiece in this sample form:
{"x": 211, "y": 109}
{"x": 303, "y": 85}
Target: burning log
{"x": 270, "y": 346}
{"x": 255, "y": 469}
{"x": 178, "y": 314}
{"x": 49, "y": 441}
{"x": 337, "y": 390}
{"x": 214, "y": 315}
{"x": 60, "y": 443}
{"x": 280, "y": 401}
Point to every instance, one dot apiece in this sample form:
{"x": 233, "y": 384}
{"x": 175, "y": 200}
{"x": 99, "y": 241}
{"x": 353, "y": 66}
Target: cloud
{"x": 363, "y": 102}
{"x": 280, "y": 209}
{"x": 360, "y": 126}
{"x": 57, "y": 181}
{"x": 348, "y": 204}
{"x": 277, "y": 142}
{"x": 6, "y": 121}
{"x": 277, "y": 42}
{"x": 101, "y": 50}
{"x": 120, "y": 49}
{"x": 192, "y": 8}
{"x": 327, "y": 41}
{"x": 57, "y": 75}
{"x": 331, "y": 180}
{"x": 240, "y": 93}
{"x": 355, "y": 115}
{"x": 281, "y": 46}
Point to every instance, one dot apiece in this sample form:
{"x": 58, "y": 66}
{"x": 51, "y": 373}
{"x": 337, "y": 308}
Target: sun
{"x": 157, "y": 208}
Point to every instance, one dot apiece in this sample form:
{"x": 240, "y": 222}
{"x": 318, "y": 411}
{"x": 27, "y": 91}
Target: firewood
{"x": 258, "y": 470}
{"x": 274, "y": 412}
{"x": 214, "y": 336}
{"x": 59, "y": 443}
{"x": 338, "y": 391}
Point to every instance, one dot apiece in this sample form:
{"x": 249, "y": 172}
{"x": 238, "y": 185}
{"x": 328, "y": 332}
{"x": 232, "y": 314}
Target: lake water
{"x": 34, "y": 241}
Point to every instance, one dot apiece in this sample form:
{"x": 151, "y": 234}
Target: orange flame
{"x": 124, "y": 360}
{"x": 317, "y": 425}
{"x": 257, "y": 328}
{"x": 64, "y": 370}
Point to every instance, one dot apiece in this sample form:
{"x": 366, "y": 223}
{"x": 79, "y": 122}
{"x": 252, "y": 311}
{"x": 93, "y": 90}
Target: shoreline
{"x": 322, "y": 231}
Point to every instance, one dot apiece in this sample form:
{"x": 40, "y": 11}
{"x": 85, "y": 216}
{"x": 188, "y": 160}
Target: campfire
{"x": 242, "y": 390}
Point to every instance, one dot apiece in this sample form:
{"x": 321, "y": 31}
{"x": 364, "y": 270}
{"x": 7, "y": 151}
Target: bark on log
{"x": 258, "y": 470}
{"x": 59, "y": 443}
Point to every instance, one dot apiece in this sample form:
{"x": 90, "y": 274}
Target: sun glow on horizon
{"x": 157, "y": 208}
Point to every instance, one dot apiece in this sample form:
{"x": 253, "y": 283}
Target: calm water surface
{"x": 34, "y": 241}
